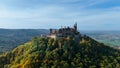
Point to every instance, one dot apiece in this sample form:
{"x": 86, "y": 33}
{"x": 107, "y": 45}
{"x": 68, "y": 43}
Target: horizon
{"x": 58, "y": 28}
{"x": 37, "y": 14}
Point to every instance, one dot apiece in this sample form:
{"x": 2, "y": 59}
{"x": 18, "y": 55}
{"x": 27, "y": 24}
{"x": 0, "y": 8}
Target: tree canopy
{"x": 61, "y": 53}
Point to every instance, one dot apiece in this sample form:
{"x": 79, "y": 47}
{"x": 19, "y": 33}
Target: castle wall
{"x": 52, "y": 36}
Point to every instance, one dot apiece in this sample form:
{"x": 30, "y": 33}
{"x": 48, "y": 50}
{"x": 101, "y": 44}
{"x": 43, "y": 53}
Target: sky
{"x": 45, "y": 14}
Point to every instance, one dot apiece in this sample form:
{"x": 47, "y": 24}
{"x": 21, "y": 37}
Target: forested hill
{"x": 10, "y": 38}
{"x": 61, "y": 53}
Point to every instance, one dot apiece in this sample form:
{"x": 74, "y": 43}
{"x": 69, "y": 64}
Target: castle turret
{"x": 50, "y": 31}
{"x": 75, "y": 26}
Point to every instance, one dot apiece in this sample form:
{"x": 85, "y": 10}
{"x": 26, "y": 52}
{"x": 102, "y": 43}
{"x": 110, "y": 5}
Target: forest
{"x": 11, "y": 38}
{"x": 61, "y": 53}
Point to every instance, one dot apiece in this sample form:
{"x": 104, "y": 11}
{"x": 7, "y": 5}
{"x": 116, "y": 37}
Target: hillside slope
{"x": 61, "y": 53}
{"x": 10, "y": 38}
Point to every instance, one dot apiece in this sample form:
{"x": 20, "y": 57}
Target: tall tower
{"x": 50, "y": 31}
{"x": 75, "y": 26}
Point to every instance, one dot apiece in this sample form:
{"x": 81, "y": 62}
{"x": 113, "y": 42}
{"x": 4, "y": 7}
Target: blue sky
{"x": 45, "y": 14}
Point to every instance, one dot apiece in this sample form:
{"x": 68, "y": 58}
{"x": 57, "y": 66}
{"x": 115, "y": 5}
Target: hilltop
{"x": 61, "y": 53}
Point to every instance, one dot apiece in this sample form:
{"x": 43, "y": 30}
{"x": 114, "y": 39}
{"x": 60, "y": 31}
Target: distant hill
{"x": 61, "y": 53}
{"x": 111, "y": 38}
{"x": 10, "y": 38}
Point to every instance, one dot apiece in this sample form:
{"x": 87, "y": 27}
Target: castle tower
{"x": 50, "y": 31}
{"x": 75, "y": 26}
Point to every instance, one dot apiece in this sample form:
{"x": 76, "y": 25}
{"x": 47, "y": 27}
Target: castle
{"x": 64, "y": 32}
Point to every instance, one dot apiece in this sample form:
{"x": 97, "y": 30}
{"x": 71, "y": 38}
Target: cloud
{"x": 48, "y": 14}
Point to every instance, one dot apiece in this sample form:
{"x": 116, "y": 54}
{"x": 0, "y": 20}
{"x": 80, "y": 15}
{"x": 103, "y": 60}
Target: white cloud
{"x": 52, "y": 15}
